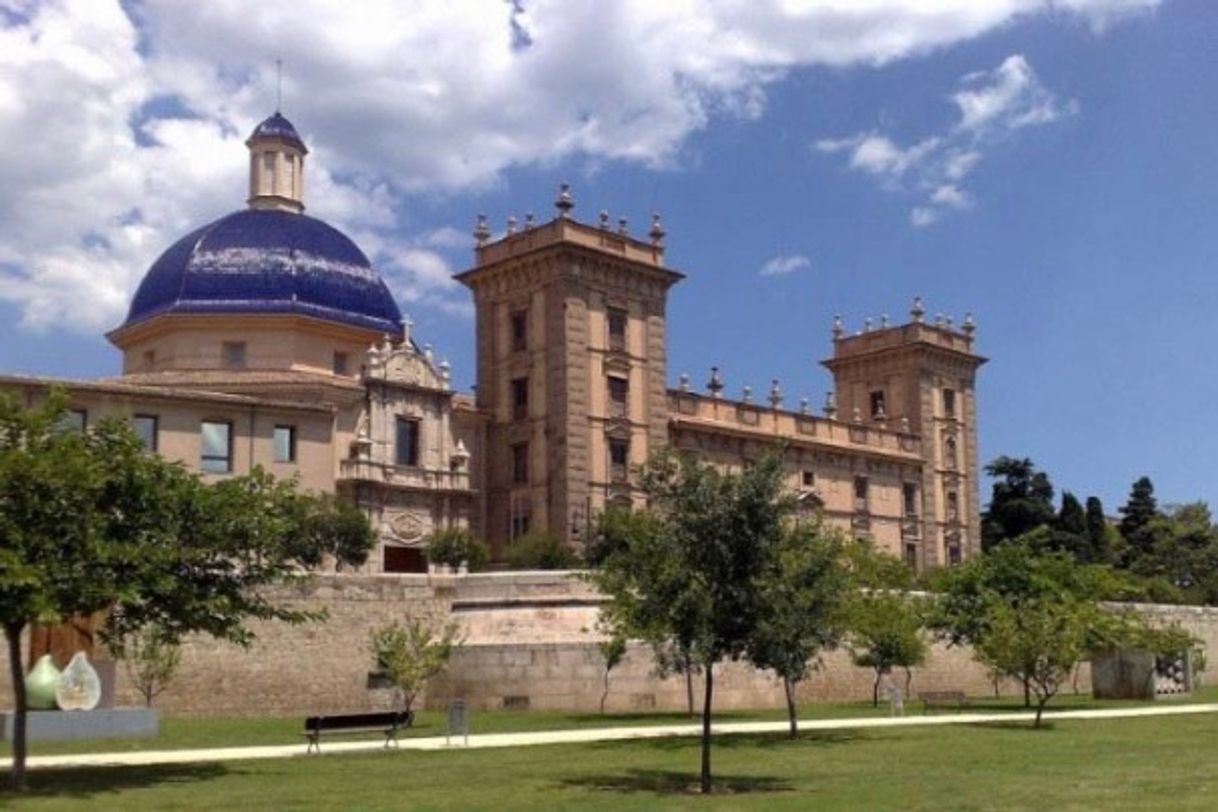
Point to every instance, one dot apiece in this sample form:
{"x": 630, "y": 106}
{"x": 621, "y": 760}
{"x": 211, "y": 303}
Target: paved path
{"x": 486, "y": 740}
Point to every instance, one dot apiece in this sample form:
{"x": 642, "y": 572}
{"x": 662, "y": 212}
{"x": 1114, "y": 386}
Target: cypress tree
{"x": 1136, "y": 516}
{"x": 1097, "y": 526}
{"x": 1070, "y": 528}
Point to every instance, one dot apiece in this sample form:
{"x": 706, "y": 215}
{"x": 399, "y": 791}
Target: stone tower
{"x": 570, "y": 323}
{"x": 919, "y": 378}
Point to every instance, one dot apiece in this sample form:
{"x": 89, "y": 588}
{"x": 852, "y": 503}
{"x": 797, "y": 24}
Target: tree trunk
{"x": 12, "y": 631}
{"x": 605, "y": 694}
{"x": 908, "y": 681}
{"x": 875, "y": 689}
{"x": 689, "y": 685}
{"x": 789, "y": 688}
{"x": 706, "y": 729}
{"x": 1040, "y": 708}
{"x": 1027, "y": 693}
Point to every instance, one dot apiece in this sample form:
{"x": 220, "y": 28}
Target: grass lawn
{"x": 184, "y": 732}
{"x": 1145, "y": 764}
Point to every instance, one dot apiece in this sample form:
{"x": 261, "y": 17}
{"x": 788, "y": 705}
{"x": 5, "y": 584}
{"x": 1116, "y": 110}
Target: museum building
{"x": 268, "y": 338}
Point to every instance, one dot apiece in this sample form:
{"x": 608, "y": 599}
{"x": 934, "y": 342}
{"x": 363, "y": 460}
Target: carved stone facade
{"x": 407, "y": 466}
{"x": 572, "y": 381}
{"x": 571, "y": 396}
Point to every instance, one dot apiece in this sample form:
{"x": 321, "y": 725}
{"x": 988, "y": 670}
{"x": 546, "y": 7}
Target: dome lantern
{"x": 276, "y": 166}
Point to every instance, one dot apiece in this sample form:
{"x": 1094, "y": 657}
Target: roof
{"x": 117, "y": 387}
{"x": 278, "y": 127}
{"x": 267, "y": 261}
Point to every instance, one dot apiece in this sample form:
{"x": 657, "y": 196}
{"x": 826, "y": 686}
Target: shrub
{"x": 540, "y": 551}
{"x": 410, "y": 655}
{"x": 455, "y": 546}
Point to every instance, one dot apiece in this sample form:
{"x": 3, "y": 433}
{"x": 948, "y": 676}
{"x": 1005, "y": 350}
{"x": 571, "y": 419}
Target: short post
{"x": 458, "y": 721}
{"x": 896, "y": 699}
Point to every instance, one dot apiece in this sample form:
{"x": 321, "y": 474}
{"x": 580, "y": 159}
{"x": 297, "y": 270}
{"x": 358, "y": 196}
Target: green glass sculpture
{"x": 40, "y": 684}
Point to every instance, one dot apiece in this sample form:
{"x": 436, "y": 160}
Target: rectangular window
{"x": 268, "y": 173}
{"x": 619, "y": 394}
{"x": 953, "y": 552}
{"x": 949, "y": 402}
{"x": 909, "y": 494}
{"x": 340, "y": 363}
{"x": 953, "y": 506}
{"x": 289, "y": 172}
{"x": 284, "y": 441}
{"x": 217, "y": 437}
{"x": 75, "y": 419}
{"x": 520, "y": 464}
{"x": 911, "y": 556}
{"x": 145, "y": 427}
{"x": 520, "y": 398}
{"x": 617, "y": 319}
{"x": 406, "y": 450}
{"x": 521, "y": 518}
{"x": 619, "y": 460}
{"x": 232, "y": 354}
{"x": 877, "y": 404}
{"x": 860, "y": 493}
{"x": 520, "y": 330}
{"x": 809, "y": 479}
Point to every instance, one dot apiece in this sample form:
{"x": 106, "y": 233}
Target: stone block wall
{"x": 530, "y": 641}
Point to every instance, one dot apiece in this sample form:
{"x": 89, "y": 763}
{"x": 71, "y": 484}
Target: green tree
{"x": 1021, "y": 501}
{"x": 151, "y": 661}
{"x": 1137, "y": 516}
{"x": 1070, "y": 529}
{"x": 1038, "y": 643}
{"x": 455, "y": 546}
{"x": 410, "y": 655}
{"x": 802, "y": 609}
{"x": 540, "y": 551}
{"x": 676, "y": 657}
{"x": 1097, "y": 531}
{"x": 613, "y": 651}
{"x": 1018, "y": 573}
{"x": 329, "y": 527}
{"x": 886, "y": 633}
{"x": 694, "y": 574}
{"x": 92, "y": 522}
{"x": 1180, "y": 560}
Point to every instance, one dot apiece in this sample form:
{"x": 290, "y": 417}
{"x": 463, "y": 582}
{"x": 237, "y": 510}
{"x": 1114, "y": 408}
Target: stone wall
{"x": 530, "y": 641}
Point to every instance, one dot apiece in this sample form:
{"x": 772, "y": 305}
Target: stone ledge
{"x": 57, "y": 726}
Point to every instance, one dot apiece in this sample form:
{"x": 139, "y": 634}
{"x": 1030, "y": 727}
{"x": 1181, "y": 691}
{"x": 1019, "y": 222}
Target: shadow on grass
{"x": 735, "y": 741}
{"x": 1014, "y": 724}
{"x": 85, "y": 783}
{"x": 671, "y": 782}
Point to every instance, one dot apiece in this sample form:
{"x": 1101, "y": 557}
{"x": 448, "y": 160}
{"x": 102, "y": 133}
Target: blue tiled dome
{"x": 267, "y": 261}
{"x": 278, "y": 127}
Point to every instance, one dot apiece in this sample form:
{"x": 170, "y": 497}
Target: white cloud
{"x": 952, "y": 197}
{"x": 990, "y": 105}
{"x": 922, "y": 216}
{"x": 120, "y": 134}
{"x": 785, "y": 264}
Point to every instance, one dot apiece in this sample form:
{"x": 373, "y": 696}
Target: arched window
{"x": 950, "y": 453}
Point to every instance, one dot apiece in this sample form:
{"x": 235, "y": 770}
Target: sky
{"x": 1050, "y": 166}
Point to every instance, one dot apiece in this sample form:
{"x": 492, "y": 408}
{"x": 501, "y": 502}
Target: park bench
{"x": 942, "y": 699}
{"x": 387, "y": 722}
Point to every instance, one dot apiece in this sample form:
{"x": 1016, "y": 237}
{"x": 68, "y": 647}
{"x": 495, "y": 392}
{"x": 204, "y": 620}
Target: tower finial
{"x": 564, "y": 202}
{"x": 278, "y": 85}
{"x": 657, "y": 230}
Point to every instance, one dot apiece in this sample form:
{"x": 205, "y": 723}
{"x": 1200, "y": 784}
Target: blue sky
{"x": 1081, "y": 235}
